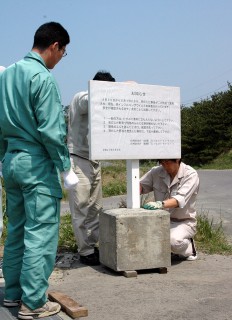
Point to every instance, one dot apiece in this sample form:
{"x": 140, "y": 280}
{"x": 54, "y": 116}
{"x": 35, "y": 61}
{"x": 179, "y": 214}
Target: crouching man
{"x": 175, "y": 187}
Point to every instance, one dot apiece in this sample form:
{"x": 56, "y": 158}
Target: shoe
{"x": 11, "y": 303}
{"x": 46, "y": 310}
{"x": 191, "y": 258}
{"x": 90, "y": 260}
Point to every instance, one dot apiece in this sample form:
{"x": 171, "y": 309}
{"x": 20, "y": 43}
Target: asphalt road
{"x": 215, "y": 196}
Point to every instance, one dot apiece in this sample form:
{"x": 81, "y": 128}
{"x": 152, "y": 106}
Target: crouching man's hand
{"x": 153, "y": 205}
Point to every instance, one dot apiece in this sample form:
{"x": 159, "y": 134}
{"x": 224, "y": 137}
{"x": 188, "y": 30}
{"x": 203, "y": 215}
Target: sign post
{"x": 133, "y": 198}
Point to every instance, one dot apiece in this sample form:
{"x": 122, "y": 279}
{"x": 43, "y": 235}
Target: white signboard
{"x": 133, "y": 121}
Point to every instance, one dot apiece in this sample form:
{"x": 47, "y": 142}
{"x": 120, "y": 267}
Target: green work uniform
{"x": 33, "y": 151}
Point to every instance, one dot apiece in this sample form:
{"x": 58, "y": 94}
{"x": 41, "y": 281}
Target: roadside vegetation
{"x": 210, "y": 237}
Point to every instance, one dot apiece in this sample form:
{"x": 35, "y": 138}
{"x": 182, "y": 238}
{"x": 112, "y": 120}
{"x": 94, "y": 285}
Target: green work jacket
{"x": 31, "y": 113}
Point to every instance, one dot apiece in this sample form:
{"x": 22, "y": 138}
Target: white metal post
{"x": 133, "y": 194}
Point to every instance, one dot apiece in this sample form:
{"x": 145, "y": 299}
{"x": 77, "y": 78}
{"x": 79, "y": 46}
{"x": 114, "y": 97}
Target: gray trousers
{"x": 86, "y": 203}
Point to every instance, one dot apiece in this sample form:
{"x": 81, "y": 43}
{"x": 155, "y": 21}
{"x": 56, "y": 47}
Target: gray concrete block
{"x": 134, "y": 239}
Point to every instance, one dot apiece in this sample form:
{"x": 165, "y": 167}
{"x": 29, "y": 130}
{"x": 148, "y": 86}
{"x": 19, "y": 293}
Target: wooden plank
{"x": 163, "y": 270}
{"x": 130, "y": 273}
{"x": 70, "y": 306}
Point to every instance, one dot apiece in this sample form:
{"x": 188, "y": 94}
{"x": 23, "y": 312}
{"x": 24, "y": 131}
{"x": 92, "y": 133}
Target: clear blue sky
{"x": 184, "y": 43}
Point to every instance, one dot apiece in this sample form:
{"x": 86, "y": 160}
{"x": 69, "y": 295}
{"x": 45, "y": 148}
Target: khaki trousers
{"x": 86, "y": 203}
{"x": 180, "y": 235}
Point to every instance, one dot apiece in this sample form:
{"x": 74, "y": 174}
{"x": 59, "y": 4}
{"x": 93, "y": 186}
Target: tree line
{"x": 206, "y": 128}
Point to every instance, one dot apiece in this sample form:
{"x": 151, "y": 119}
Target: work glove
{"x": 70, "y": 179}
{"x": 153, "y": 205}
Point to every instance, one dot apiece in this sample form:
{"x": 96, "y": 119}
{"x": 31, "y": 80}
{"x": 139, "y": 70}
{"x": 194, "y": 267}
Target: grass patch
{"x": 67, "y": 240}
{"x": 114, "y": 181}
{"x": 222, "y": 162}
{"x": 210, "y": 238}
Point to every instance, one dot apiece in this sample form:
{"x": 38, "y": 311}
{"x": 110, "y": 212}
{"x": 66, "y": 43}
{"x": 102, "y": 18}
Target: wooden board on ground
{"x": 133, "y": 273}
{"x": 70, "y": 306}
{"x": 130, "y": 274}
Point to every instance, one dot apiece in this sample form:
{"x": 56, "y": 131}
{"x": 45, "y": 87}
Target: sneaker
{"x": 90, "y": 260}
{"x": 191, "y": 258}
{"x": 46, "y": 310}
{"x": 11, "y": 303}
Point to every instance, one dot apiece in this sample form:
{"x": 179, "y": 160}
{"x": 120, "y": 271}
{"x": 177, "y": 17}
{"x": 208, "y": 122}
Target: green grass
{"x": 114, "y": 177}
{"x": 223, "y": 162}
{"x": 67, "y": 240}
{"x": 210, "y": 238}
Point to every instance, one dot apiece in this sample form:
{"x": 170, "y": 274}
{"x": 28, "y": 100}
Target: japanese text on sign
{"x": 132, "y": 121}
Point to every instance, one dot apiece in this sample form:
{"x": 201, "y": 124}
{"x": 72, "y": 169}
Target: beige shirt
{"x": 184, "y": 188}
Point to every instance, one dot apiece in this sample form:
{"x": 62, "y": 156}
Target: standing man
{"x": 86, "y": 200}
{"x": 33, "y": 150}
{"x": 175, "y": 187}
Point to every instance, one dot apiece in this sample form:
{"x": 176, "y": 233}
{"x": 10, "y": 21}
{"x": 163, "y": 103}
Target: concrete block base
{"x": 134, "y": 239}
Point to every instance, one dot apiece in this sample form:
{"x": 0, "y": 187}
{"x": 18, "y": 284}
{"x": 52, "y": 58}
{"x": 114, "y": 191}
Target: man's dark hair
{"x": 173, "y": 160}
{"x": 49, "y": 33}
{"x": 103, "y": 76}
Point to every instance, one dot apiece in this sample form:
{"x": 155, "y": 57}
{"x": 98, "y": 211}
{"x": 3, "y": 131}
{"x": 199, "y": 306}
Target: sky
{"x": 180, "y": 43}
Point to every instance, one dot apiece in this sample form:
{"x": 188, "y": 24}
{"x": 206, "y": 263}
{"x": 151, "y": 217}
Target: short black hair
{"x": 173, "y": 160}
{"x": 49, "y": 33}
{"x": 103, "y": 76}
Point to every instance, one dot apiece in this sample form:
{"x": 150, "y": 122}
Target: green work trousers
{"x": 33, "y": 208}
